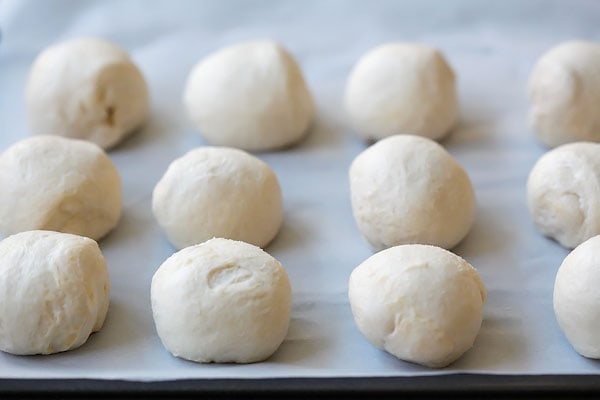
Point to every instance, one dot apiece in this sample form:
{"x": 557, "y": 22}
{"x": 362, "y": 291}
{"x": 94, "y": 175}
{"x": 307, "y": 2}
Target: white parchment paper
{"x": 492, "y": 47}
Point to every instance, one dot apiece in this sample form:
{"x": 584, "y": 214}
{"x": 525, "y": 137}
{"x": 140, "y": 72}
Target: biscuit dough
{"x": 577, "y": 298}
{"x": 563, "y": 193}
{"x": 54, "y": 292}
{"x": 421, "y": 303}
{"x": 221, "y": 301}
{"x": 86, "y": 88}
{"x": 58, "y": 184}
{"x": 408, "y": 189}
{"x": 564, "y": 93}
{"x": 251, "y": 96}
{"x": 399, "y": 88}
{"x": 218, "y": 192}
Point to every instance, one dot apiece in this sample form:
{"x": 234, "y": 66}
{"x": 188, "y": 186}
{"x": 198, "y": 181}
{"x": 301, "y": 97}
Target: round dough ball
{"x": 564, "y": 93}
{"x": 402, "y": 88}
{"x": 251, "y": 96}
{"x": 58, "y": 184}
{"x": 221, "y": 301}
{"x": 408, "y": 189}
{"x": 86, "y": 89}
{"x": 577, "y": 298}
{"x": 218, "y": 192}
{"x": 54, "y": 292}
{"x": 421, "y": 303}
{"x": 563, "y": 193}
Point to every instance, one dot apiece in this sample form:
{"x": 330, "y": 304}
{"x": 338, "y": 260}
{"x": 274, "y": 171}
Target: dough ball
{"x": 221, "y": 301}
{"x": 421, "y": 303}
{"x": 402, "y": 88}
{"x": 86, "y": 89}
{"x": 218, "y": 192}
{"x": 564, "y": 93}
{"x": 58, "y": 184}
{"x": 251, "y": 96}
{"x": 408, "y": 189}
{"x": 577, "y": 298}
{"x": 563, "y": 193}
{"x": 53, "y": 292}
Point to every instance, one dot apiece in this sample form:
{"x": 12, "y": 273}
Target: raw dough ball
{"x": 250, "y": 95}
{"x": 53, "y": 292}
{"x": 564, "y": 93}
{"x": 408, "y": 189}
{"x": 86, "y": 89}
{"x": 563, "y": 193}
{"x": 577, "y": 298}
{"x": 221, "y": 301}
{"x": 402, "y": 88}
{"x": 218, "y": 192}
{"x": 58, "y": 184}
{"x": 421, "y": 303}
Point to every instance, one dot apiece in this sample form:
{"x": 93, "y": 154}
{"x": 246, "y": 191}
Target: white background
{"x": 492, "y": 46}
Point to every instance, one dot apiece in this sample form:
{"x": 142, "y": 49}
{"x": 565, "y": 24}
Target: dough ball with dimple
{"x": 54, "y": 292}
{"x": 402, "y": 88}
{"x": 221, "y": 301}
{"x": 577, "y": 298}
{"x": 408, "y": 189}
{"x": 250, "y": 96}
{"x": 563, "y": 193}
{"x": 58, "y": 184}
{"x": 421, "y": 303}
{"x": 564, "y": 93}
{"x": 88, "y": 89}
{"x": 218, "y": 192}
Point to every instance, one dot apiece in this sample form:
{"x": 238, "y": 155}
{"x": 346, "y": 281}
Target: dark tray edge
{"x": 424, "y": 385}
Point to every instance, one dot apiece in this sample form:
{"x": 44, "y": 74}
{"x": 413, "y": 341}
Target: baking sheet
{"x": 492, "y": 47}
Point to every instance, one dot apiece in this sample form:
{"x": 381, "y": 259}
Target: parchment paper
{"x": 492, "y": 47}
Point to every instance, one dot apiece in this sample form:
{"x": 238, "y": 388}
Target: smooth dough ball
{"x": 58, "y": 184}
{"x": 86, "y": 89}
{"x": 564, "y": 93}
{"x": 218, "y": 192}
{"x": 251, "y": 96}
{"x": 421, "y": 303}
{"x": 577, "y": 298}
{"x": 221, "y": 301}
{"x": 402, "y": 88}
{"x": 54, "y": 292}
{"x": 408, "y": 189}
{"x": 563, "y": 193}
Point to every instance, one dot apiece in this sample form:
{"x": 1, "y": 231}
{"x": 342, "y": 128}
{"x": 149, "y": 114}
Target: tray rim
{"x": 460, "y": 383}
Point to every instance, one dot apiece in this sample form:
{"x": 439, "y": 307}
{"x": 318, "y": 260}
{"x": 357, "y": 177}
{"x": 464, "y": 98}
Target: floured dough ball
{"x": 577, "y": 298}
{"x": 251, "y": 96}
{"x": 564, "y": 93}
{"x": 218, "y": 192}
{"x": 421, "y": 303}
{"x": 58, "y": 184}
{"x": 408, "y": 189}
{"x": 221, "y": 301}
{"x": 402, "y": 88}
{"x": 54, "y": 292}
{"x": 563, "y": 193}
{"x": 88, "y": 89}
